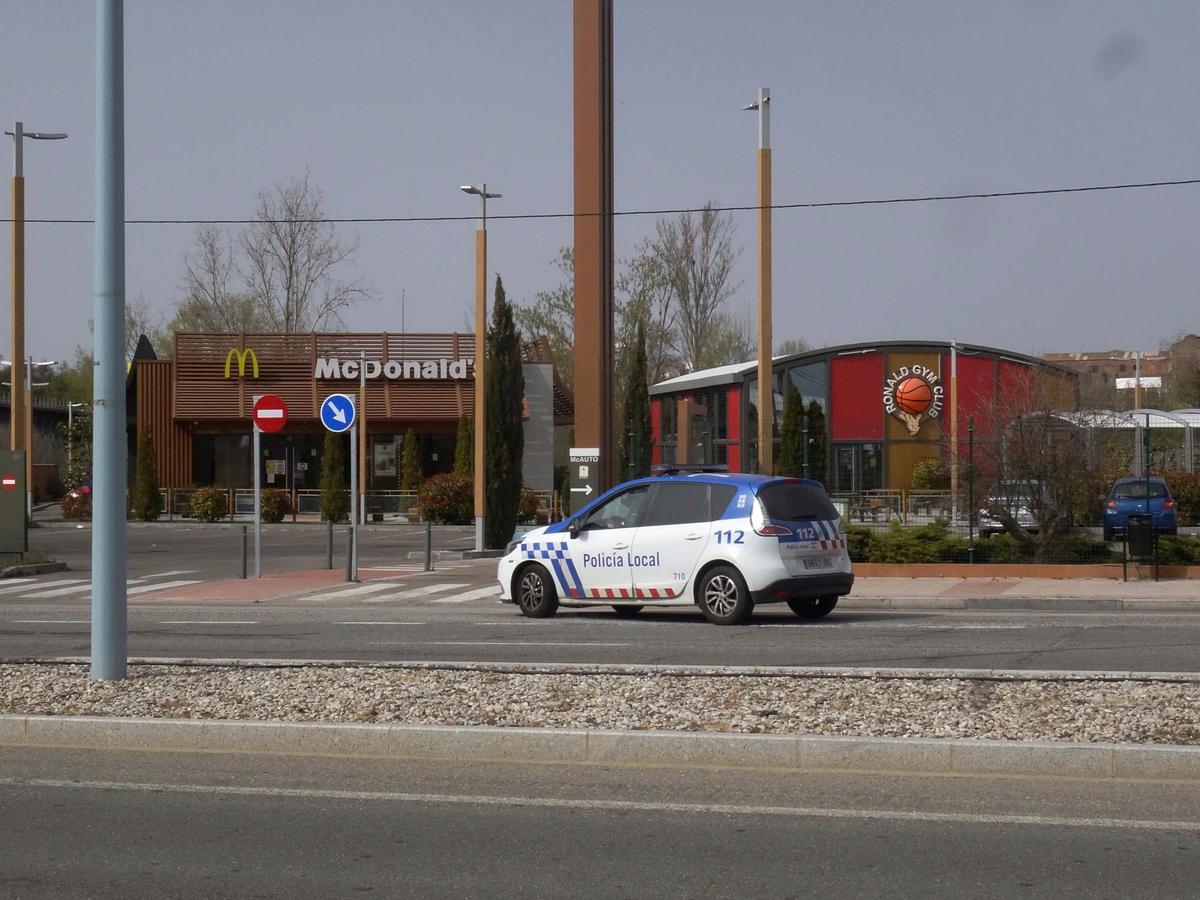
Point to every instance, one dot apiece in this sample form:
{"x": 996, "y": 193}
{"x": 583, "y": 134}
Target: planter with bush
{"x": 274, "y": 505}
{"x": 447, "y": 499}
{"x": 209, "y": 504}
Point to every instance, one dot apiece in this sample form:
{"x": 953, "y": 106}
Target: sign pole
{"x": 257, "y": 503}
{"x": 353, "y": 552}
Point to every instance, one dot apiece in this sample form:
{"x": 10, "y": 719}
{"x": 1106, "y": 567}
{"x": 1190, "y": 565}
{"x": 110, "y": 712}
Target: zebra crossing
{"x": 53, "y": 588}
{"x": 383, "y": 592}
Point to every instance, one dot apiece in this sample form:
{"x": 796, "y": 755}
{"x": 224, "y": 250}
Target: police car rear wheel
{"x": 813, "y": 607}
{"x": 627, "y": 612}
{"x": 536, "y": 597}
{"x": 724, "y": 598}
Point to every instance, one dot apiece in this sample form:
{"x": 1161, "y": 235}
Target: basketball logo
{"x": 913, "y": 394}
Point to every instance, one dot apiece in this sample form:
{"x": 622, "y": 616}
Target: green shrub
{"x": 528, "y": 506}
{"x": 335, "y": 499}
{"x": 931, "y": 475}
{"x": 447, "y": 499}
{"x": 1178, "y": 550}
{"x": 274, "y": 505}
{"x": 209, "y": 504}
{"x": 146, "y": 500}
{"x": 934, "y": 543}
{"x": 78, "y": 506}
{"x": 860, "y": 542}
{"x": 1185, "y": 488}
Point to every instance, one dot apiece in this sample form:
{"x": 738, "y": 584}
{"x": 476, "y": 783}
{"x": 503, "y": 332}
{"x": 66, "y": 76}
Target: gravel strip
{"x": 1121, "y": 711}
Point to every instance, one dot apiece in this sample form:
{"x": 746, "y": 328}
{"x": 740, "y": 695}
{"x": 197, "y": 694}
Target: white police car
{"x": 722, "y": 542}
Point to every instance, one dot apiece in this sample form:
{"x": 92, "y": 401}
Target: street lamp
{"x": 18, "y": 134}
{"x": 480, "y": 330}
{"x": 766, "y": 386}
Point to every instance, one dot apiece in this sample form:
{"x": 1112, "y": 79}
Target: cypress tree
{"x": 335, "y": 502}
{"x": 464, "y": 449}
{"x": 791, "y": 445}
{"x": 635, "y": 440}
{"x": 147, "y": 498}
{"x": 818, "y": 446}
{"x": 411, "y": 475}
{"x": 504, "y": 393}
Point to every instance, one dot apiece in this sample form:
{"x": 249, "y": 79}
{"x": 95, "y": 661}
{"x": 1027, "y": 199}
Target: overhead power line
{"x": 828, "y": 204}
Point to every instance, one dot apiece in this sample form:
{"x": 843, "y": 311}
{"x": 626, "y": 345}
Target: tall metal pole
{"x": 971, "y": 488}
{"x": 109, "y": 614}
{"x": 17, "y": 388}
{"x": 362, "y": 436}
{"x": 28, "y": 413}
{"x": 352, "y": 550}
{"x": 480, "y": 354}
{"x": 766, "y": 390}
{"x": 954, "y": 434}
{"x": 257, "y": 445}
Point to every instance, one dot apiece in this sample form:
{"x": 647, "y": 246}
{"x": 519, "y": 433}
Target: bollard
{"x": 245, "y": 539}
{"x": 428, "y": 546}
{"x": 329, "y": 546}
{"x": 350, "y": 553}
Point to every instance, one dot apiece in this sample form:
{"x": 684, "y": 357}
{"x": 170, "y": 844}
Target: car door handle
{"x": 695, "y": 537}
{"x": 620, "y": 546}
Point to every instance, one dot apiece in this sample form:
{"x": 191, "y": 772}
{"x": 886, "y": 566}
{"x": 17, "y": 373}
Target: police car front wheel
{"x": 535, "y": 594}
{"x": 724, "y": 598}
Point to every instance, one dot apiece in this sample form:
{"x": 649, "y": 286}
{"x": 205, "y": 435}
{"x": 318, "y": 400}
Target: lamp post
{"x": 766, "y": 388}
{"x": 480, "y": 332}
{"x": 19, "y": 378}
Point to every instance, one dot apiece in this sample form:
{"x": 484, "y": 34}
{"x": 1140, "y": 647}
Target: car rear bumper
{"x": 833, "y": 584}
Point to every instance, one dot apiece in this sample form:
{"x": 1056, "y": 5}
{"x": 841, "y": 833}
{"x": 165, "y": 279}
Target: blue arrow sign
{"x": 337, "y": 413}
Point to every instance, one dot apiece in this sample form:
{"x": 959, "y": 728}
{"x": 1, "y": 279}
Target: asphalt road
{"x": 131, "y": 825}
{"x": 490, "y": 631}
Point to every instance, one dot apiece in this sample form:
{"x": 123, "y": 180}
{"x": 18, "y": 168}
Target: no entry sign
{"x": 8, "y": 481}
{"x": 270, "y": 413}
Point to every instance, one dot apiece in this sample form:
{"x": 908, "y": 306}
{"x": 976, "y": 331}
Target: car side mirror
{"x": 574, "y": 527}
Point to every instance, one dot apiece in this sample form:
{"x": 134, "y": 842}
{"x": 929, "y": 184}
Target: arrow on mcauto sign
{"x": 586, "y": 490}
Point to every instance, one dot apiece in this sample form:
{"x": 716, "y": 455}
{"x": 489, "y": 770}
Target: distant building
{"x": 1106, "y": 375}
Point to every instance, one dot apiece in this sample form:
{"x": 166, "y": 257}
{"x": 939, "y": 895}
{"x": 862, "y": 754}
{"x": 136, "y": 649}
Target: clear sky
{"x": 392, "y": 105}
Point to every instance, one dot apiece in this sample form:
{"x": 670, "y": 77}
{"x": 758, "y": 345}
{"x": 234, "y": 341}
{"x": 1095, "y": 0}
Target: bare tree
{"x": 648, "y": 300}
{"x": 697, "y": 256}
{"x": 291, "y": 255}
{"x": 211, "y": 302}
{"x": 552, "y": 315}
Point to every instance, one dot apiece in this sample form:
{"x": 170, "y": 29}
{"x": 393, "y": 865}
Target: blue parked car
{"x": 1129, "y": 497}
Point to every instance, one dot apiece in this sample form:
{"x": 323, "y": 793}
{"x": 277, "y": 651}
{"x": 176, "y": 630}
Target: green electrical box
{"x": 13, "y": 534}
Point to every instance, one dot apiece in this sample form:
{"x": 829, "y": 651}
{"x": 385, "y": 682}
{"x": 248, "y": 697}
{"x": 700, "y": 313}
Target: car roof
{"x": 1137, "y": 479}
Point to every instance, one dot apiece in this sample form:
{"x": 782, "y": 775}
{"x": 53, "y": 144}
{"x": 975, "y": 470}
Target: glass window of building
{"x": 812, "y": 381}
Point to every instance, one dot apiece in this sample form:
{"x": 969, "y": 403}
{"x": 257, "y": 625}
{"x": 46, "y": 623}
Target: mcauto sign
{"x": 331, "y": 368}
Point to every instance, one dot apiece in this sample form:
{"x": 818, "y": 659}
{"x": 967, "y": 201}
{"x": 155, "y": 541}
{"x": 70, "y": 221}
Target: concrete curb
{"x": 815, "y": 753}
{"x": 1025, "y": 604}
{"x": 33, "y": 569}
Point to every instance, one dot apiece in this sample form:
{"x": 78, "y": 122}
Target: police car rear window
{"x": 791, "y": 501}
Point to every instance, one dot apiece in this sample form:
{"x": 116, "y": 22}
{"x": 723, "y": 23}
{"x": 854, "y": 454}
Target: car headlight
{"x": 512, "y": 545}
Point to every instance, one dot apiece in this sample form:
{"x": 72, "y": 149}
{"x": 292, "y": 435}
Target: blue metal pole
{"x": 109, "y": 617}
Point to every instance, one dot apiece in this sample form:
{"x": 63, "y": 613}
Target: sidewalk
{"x": 1024, "y": 593}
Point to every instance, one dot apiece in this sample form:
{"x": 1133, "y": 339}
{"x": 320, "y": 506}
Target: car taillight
{"x": 1111, "y": 504}
{"x": 1168, "y": 503}
{"x": 763, "y": 525}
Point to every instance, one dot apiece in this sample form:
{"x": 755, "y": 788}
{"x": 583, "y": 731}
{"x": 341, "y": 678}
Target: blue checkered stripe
{"x": 555, "y": 552}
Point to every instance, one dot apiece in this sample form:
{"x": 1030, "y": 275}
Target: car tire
{"x": 627, "y": 612}
{"x": 723, "y": 596}
{"x": 812, "y": 607}
{"x": 534, "y": 593}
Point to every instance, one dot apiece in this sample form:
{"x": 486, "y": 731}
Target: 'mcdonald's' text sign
{"x": 333, "y": 368}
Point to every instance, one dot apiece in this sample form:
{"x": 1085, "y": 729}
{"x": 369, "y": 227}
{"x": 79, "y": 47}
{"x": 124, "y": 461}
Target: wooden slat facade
{"x": 172, "y": 441}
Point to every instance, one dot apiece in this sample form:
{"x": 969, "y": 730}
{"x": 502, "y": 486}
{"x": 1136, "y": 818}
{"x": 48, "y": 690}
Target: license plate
{"x": 818, "y": 562}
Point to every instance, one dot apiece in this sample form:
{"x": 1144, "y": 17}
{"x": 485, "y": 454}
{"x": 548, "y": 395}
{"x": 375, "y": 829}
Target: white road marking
{"x": 415, "y": 593}
{"x": 705, "y": 809}
{"x": 504, "y": 643}
{"x": 471, "y": 595}
{"x": 378, "y": 623}
{"x": 15, "y": 585}
{"x": 208, "y": 622}
{"x": 169, "y": 574}
{"x": 351, "y": 592}
{"x": 160, "y": 586}
{"x": 76, "y": 585}
{"x": 51, "y": 621}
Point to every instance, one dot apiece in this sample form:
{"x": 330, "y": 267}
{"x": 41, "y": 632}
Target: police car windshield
{"x": 792, "y": 501}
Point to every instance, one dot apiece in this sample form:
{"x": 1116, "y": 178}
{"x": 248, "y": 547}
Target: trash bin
{"x": 1140, "y": 530}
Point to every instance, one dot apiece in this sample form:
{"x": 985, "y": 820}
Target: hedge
{"x": 933, "y": 543}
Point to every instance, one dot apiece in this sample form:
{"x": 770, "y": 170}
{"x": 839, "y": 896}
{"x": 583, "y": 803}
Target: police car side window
{"x": 676, "y": 503}
{"x": 720, "y": 498}
{"x": 619, "y": 512}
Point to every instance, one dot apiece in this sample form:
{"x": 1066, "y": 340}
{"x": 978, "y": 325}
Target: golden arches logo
{"x": 242, "y": 356}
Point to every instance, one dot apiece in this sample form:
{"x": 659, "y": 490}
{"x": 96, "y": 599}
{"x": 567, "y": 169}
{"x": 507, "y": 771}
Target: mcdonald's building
{"x": 883, "y": 407}
{"x": 196, "y": 405}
